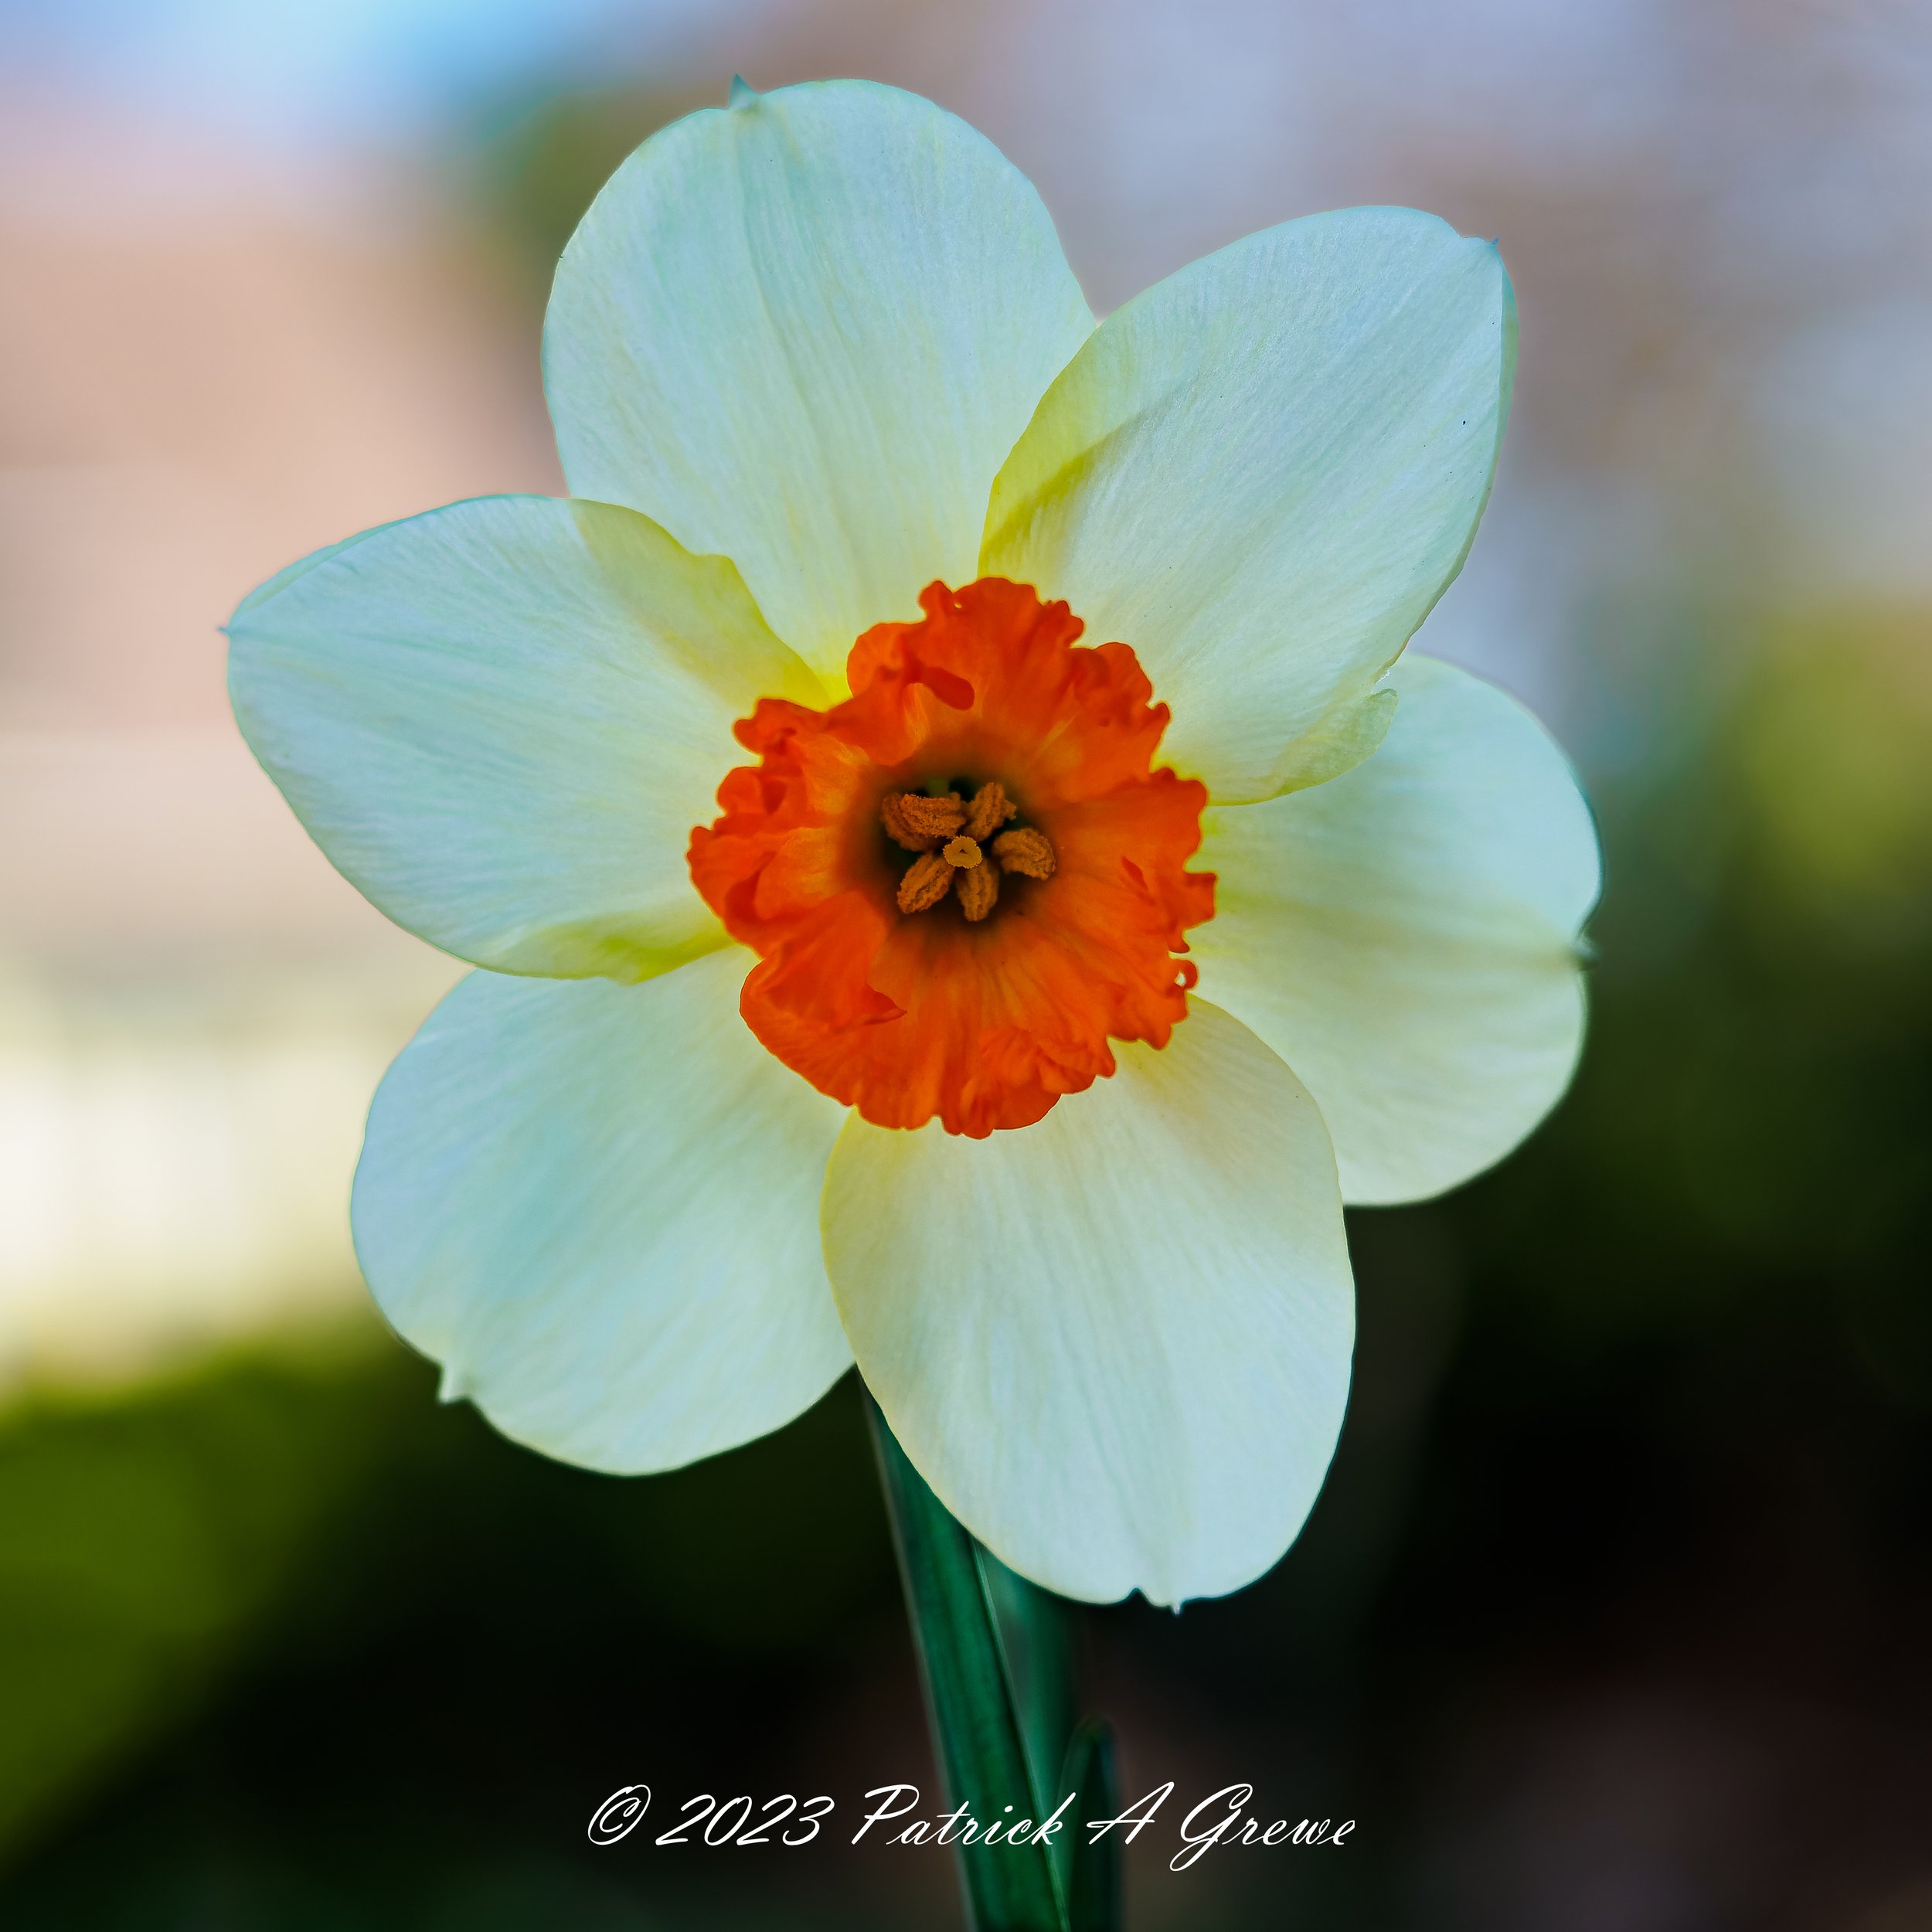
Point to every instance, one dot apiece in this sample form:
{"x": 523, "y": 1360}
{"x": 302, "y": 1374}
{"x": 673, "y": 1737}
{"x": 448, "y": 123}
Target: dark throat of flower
{"x": 961, "y": 848}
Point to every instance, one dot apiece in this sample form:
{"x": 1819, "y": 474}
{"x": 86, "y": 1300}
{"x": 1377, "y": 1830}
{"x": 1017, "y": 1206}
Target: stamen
{"x": 1027, "y": 851}
{"x": 978, "y": 889}
{"x": 928, "y": 879}
{"x": 947, "y": 834}
{"x": 919, "y": 823}
{"x": 991, "y": 809}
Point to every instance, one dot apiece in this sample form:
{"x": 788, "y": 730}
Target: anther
{"x": 928, "y": 879}
{"x": 990, "y": 809}
{"x": 978, "y": 889}
{"x": 1025, "y": 851}
{"x": 921, "y": 823}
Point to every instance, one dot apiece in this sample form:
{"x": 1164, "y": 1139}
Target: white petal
{"x": 1406, "y": 935}
{"x": 1115, "y": 1343}
{"x": 597, "y": 1206}
{"x": 804, "y": 330}
{"x": 1263, "y": 471}
{"x": 501, "y": 720}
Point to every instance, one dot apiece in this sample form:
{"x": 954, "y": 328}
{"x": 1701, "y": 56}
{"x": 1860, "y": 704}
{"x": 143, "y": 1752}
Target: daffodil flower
{"x": 872, "y": 969}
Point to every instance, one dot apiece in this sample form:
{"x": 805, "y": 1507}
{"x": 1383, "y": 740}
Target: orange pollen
{"x": 866, "y": 870}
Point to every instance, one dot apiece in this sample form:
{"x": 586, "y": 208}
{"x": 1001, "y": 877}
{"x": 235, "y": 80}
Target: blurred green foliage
{"x": 300, "y": 1562}
{"x": 146, "y": 1543}
{"x": 1830, "y": 746}
{"x": 1751, "y": 1117}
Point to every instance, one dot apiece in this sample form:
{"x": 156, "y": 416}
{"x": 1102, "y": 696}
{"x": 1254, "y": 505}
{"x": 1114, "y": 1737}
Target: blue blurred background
{"x": 1614, "y": 1616}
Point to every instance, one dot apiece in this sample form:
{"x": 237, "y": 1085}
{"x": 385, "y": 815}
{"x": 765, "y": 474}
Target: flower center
{"x": 948, "y": 834}
{"x": 966, "y": 878}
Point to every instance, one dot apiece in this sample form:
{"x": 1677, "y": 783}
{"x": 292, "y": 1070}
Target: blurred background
{"x": 1614, "y": 1615}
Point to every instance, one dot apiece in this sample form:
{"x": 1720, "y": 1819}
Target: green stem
{"x": 970, "y": 1705}
{"x": 1036, "y": 1631}
{"x": 1090, "y": 1873}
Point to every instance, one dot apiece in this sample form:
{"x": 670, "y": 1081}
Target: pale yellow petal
{"x": 1115, "y": 1343}
{"x": 1407, "y": 935}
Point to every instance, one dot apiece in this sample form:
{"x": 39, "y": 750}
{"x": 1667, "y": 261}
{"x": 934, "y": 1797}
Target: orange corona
{"x": 967, "y": 878}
